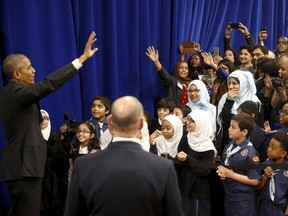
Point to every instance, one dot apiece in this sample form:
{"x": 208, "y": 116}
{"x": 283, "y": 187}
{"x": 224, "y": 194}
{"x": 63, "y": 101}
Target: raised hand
{"x": 152, "y": 54}
{"x": 88, "y": 51}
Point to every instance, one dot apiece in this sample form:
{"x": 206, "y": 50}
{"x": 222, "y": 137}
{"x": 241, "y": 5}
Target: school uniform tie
{"x": 100, "y": 125}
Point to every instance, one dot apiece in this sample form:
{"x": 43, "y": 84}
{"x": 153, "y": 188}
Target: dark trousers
{"x": 25, "y": 196}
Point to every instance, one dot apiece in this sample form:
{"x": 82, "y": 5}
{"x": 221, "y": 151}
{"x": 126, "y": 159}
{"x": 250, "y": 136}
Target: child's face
{"x": 162, "y": 113}
{"x": 45, "y": 121}
{"x": 275, "y": 151}
{"x": 233, "y": 84}
{"x": 167, "y": 129}
{"x": 98, "y": 110}
{"x": 283, "y": 116}
{"x": 84, "y": 134}
{"x": 178, "y": 112}
{"x": 235, "y": 132}
{"x": 194, "y": 93}
{"x": 190, "y": 124}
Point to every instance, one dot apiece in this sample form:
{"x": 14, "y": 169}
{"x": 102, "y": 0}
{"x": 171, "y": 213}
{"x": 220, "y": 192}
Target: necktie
{"x": 184, "y": 97}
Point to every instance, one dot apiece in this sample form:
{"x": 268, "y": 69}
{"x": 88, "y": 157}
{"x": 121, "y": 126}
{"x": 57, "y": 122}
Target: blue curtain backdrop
{"x": 52, "y": 33}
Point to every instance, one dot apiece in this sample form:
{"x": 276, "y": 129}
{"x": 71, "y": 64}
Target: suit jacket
{"x": 123, "y": 180}
{"x": 25, "y": 153}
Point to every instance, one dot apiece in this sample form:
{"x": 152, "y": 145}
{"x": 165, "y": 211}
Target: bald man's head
{"x": 127, "y": 114}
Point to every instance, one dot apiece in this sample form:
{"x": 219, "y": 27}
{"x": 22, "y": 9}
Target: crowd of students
{"x": 219, "y": 113}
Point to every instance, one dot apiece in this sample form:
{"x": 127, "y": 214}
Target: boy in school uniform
{"x": 239, "y": 184}
{"x": 274, "y": 183}
{"x": 100, "y": 109}
{"x": 164, "y": 107}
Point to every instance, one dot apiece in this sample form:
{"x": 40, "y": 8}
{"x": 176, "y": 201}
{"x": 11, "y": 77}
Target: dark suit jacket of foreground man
{"x": 123, "y": 180}
{"x": 25, "y": 155}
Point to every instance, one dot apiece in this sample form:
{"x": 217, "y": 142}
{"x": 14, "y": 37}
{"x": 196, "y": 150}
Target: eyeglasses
{"x": 193, "y": 91}
{"x": 84, "y": 132}
{"x": 281, "y": 112}
{"x": 46, "y": 118}
{"x": 281, "y": 43}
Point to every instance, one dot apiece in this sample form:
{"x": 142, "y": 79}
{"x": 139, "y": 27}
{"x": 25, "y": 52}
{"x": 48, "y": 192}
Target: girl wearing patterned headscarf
{"x": 199, "y": 99}
{"x": 166, "y": 143}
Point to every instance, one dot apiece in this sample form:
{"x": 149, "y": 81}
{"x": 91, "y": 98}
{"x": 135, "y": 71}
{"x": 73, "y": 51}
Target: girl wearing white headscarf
{"x": 199, "y": 99}
{"x": 45, "y": 124}
{"x": 166, "y": 145}
{"x": 241, "y": 87}
{"x": 194, "y": 181}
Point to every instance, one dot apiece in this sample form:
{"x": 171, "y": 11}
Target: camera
{"x": 277, "y": 81}
{"x": 234, "y": 25}
{"x": 71, "y": 123}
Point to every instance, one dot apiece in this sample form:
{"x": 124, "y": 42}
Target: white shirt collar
{"x": 120, "y": 139}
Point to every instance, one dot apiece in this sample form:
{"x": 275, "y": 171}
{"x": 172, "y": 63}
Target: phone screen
{"x": 216, "y": 51}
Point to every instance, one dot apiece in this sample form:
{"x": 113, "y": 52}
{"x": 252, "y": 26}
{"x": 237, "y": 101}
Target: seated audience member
{"x": 176, "y": 85}
{"x": 53, "y": 188}
{"x": 194, "y": 181}
{"x": 164, "y": 107}
{"x": 165, "y": 143}
{"x": 275, "y": 93}
{"x": 239, "y": 184}
{"x": 199, "y": 99}
{"x": 241, "y": 87}
{"x": 100, "y": 110}
{"x": 87, "y": 142}
{"x": 274, "y": 183}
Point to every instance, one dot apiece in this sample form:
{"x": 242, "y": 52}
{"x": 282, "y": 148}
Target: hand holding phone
{"x": 235, "y": 25}
{"x": 216, "y": 51}
{"x": 263, "y": 33}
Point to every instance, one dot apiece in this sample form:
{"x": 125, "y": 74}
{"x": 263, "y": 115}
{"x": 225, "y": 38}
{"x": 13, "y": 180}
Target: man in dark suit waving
{"x": 123, "y": 179}
{"x": 23, "y": 161}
